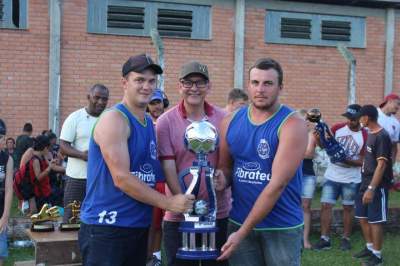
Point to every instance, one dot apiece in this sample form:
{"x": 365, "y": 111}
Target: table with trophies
{"x": 55, "y": 243}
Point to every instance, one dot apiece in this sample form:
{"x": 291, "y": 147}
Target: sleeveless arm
{"x": 8, "y": 193}
{"x": 111, "y": 134}
{"x": 290, "y": 153}
{"x": 39, "y": 174}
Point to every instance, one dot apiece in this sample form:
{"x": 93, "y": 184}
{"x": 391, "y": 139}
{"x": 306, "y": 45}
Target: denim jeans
{"x": 112, "y": 245}
{"x": 272, "y": 248}
{"x": 308, "y": 189}
{"x": 331, "y": 191}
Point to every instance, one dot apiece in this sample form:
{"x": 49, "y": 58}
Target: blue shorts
{"x": 331, "y": 191}
{"x": 308, "y": 186}
{"x": 376, "y": 211}
{"x": 3, "y": 245}
{"x": 112, "y": 246}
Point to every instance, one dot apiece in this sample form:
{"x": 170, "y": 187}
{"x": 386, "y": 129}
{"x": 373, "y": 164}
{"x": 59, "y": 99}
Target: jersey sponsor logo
{"x": 146, "y": 174}
{"x": 153, "y": 150}
{"x": 250, "y": 172}
{"x": 263, "y": 149}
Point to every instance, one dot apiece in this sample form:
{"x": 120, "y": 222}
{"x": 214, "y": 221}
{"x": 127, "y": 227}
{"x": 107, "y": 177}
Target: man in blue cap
{"x": 158, "y": 103}
{"x": 156, "y": 107}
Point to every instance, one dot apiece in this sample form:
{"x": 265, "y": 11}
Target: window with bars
{"x": 139, "y": 17}
{"x": 314, "y": 29}
{"x": 175, "y": 23}
{"x": 13, "y": 14}
{"x": 125, "y": 17}
{"x": 336, "y": 30}
{"x": 295, "y": 28}
{"x": 1, "y": 10}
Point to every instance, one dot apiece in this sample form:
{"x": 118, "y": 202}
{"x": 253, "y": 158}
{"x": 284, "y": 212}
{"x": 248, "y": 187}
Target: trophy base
{"x": 197, "y": 254}
{"x": 42, "y": 227}
{"x": 198, "y": 227}
{"x": 69, "y": 227}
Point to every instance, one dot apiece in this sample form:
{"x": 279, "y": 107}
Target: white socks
{"x": 326, "y": 238}
{"x": 369, "y": 246}
{"x": 377, "y": 253}
{"x": 157, "y": 254}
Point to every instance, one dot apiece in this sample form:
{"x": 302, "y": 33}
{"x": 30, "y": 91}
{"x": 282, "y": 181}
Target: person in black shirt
{"x": 377, "y": 176}
{"x": 23, "y": 142}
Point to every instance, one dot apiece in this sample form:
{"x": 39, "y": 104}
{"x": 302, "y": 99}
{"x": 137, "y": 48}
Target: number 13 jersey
{"x": 105, "y": 204}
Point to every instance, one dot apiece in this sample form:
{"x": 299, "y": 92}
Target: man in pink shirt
{"x": 194, "y": 85}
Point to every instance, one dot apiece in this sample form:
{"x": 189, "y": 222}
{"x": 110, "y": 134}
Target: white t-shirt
{"x": 390, "y": 124}
{"x": 354, "y": 145}
{"x": 77, "y": 129}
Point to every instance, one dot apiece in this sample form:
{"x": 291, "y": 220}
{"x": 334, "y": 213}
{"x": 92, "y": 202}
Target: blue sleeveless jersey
{"x": 253, "y": 148}
{"x": 104, "y": 203}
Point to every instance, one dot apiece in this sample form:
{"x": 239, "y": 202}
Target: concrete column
{"x": 54, "y": 65}
{"x": 240, "y": 11}
{"x": 389, "y": 55}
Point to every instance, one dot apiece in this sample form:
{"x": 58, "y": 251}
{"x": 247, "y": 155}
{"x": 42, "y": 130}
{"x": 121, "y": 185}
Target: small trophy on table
{"x": 73, "y": 222}
{"x": 202, "y": 139}
{"x": 43, "y": 220}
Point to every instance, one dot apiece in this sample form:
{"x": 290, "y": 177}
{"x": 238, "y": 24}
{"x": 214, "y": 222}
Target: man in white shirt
{"x": 74, "y": 143}
{"x": 343, "y": 179}
{"x": 387, "y": 119}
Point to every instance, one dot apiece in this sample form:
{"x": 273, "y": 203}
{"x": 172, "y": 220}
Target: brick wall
{"x": 314, "y": 76}
{"x": 24, "y": 71}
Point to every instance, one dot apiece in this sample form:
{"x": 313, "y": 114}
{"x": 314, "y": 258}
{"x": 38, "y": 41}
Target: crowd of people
{"x": 123, "y": 164}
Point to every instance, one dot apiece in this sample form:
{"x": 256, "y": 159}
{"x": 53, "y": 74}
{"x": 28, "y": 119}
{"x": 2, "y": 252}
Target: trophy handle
{"x": 211, "y": 192}
{"x": 333, "y": 148}
{"x": 194, "y": 185}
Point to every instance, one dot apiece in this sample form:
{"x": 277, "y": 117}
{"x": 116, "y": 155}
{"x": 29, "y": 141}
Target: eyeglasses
{"x": 201, "y": 84}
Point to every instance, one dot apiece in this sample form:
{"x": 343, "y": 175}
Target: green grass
{"x": 19, "y": 254}
{"x": 336, "y": 257}
{"x": 394, "y": 200}
{"x": 15, "y": 212}
{"x": 332, "y": 257}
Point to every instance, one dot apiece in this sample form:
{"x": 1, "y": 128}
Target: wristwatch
{"x": 371, "y": 188}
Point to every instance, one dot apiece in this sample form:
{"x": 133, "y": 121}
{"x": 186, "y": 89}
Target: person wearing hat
{"x": 343, "y": 179}
{"x": 377, "y": 176}
{"x": 123, "y": 169}
{"x": 194, "y": 86}
{"x": 155, "y": 108}
{"x": 158, "y": 103}
{"x": 6, "y": 191}
{"x": 387, "y": 119}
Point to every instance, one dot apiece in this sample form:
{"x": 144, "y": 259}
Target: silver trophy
{"x": 202, "y": 139}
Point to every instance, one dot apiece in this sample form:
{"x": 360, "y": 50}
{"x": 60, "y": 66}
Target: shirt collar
{"x": 208, "y": 109}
